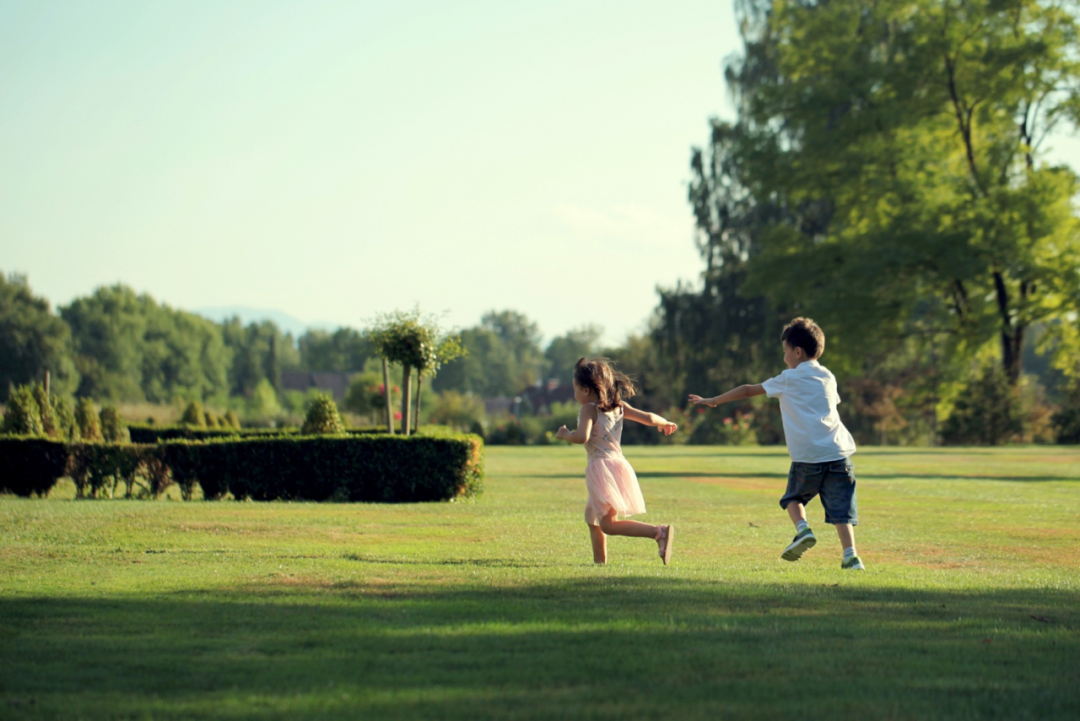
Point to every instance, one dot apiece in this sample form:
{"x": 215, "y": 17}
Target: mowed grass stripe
{"x": 492, "y": 609}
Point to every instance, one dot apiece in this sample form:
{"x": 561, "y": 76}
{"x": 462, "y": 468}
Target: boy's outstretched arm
{"x": 735, "y": 394}
{"x": 649, "y": 419}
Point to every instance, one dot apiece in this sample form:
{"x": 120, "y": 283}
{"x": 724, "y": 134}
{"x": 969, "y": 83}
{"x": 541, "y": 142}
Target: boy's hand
{"x": 667, "y": 428}
{"x": 563, "y": 434}
{"x": 699, "y": 401}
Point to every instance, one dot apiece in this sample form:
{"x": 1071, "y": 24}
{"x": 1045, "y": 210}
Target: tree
{"x": 322, "y": 417}
{"x": 416, "y": 342}
{"x": 32, "y": 340}
{"x": 128, "y": 347}
{"x": 259, "y": 351}
{"x": 565, "y": 350}
{"x": 344, "y": 350}
{"x": 892, "y": 151}
{"x": 503, "y": 357}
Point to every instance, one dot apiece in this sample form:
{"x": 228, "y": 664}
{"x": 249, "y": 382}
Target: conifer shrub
{"x": 193, "y": 415}
{"x": 211, "y": 420}
{"x": 113, "y": 428}
{"x": 68, "y": 429}
{"x": 22, "y": 415}
{"x": 45, "y": 407}
{"x": 86, "y": 418}
{"x": 232, "y": 420}
{"x": 322, "y": 417}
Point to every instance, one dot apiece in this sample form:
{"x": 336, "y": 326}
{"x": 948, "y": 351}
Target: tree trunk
{"x": 386, "y": 396}
{"x": 419, "y": 386}
{"x": 406, "y": 398}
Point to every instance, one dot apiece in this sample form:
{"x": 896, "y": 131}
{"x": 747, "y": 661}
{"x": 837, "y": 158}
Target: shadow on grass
{"x": 602, "y": 647}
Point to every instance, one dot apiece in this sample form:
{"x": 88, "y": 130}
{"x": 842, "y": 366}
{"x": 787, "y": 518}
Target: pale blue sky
{"x": 336, "y": 159}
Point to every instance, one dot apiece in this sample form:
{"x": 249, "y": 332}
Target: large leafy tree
{"x": 503, "y": 357}
{"x": 564, "y": 351}
{"x": 259, "y": 351}
{"x": 33, "y": 340}
{"x": 892, "y": 153}
{"x": 128, "y": 347}
{"x": 344, "y": 349}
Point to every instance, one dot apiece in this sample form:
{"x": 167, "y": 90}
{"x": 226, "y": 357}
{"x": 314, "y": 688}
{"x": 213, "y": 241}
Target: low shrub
{"x": 22, "y": 416}
{"x": 86, "y": 418}
{"x": 380, "y": 468}
{"x": 322, "y": 417}
{"x": 31, "y": 466}
{"x": 193, "y": 415}
{"x": 113, "y": 429}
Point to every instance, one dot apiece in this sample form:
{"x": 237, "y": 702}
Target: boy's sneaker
{"x": 803, "y": 542}
{"x": 852, "y": 564}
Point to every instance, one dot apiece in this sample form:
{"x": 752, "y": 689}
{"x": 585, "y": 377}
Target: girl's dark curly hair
{"x": 610, "y": 385}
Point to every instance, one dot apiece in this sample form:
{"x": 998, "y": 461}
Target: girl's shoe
{"x": 666, "y": 542}
{"x": 802, "y": 543}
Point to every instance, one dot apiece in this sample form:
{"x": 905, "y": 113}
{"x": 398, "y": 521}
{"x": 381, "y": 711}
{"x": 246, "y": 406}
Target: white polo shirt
{"x": 808, "y": 400}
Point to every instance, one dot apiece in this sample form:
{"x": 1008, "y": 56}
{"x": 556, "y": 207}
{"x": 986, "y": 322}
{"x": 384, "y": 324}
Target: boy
{"x": 819, "y": 444}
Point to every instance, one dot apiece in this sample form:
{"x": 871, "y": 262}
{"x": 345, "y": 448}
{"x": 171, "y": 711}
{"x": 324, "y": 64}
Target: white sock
{"x": 800, "y": 526}
{"x": 849, "y": 553}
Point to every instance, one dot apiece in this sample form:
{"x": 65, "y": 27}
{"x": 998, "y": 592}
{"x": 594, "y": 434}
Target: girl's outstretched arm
{"x": 585, "y": 421}
{"x": 735, "y": 394}
{"x": 649, "y": 419}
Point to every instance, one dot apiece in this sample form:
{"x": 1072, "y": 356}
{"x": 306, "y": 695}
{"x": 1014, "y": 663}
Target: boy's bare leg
{"x": 846, "y": 532}
{"x": 599, "y": 544}
{"x": 797, "y": 512}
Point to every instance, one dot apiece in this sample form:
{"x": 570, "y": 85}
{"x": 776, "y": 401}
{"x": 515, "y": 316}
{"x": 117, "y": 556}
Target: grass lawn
{"x": 969, "y": 607}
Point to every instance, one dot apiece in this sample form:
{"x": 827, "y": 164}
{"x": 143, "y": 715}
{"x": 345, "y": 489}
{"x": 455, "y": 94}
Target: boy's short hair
{"x": 804, "y": 333}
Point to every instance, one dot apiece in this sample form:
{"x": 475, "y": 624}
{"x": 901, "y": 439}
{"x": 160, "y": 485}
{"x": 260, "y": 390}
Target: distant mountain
{"x": 287, "y": 323}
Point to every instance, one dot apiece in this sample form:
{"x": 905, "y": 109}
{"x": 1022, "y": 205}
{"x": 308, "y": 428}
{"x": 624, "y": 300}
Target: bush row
{"x": 143, "y": 433}
{"x": 381, "y": 468}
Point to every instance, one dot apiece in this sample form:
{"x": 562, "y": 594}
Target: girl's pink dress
{"x": 611, "y": 481}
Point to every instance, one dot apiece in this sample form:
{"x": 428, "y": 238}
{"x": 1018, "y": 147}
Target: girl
{"x": 612, "y": 483}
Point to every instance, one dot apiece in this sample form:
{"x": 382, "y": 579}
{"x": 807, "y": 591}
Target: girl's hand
{"x": 667, "y": 428}
{"x": 563, "y": 434}
{"x": 699, "y": 401}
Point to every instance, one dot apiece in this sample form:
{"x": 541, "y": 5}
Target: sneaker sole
{"x": 670, "y": 543}
{"x": 795, "y": 551}
{"x": 860, "y": 567}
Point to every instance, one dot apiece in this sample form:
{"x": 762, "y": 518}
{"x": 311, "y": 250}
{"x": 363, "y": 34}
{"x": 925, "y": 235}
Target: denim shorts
{"x": 834, "y": 481}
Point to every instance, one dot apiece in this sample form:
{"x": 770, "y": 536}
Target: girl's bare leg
{"x": 611, "y": 527}
{"x": 599, "y": 545}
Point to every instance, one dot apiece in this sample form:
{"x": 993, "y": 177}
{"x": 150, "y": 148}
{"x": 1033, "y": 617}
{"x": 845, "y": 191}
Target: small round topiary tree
{"x": 113, "y": 428}
{"x": 193, "y": 415}
{"x": 322, "y": 417}
{"x": 86, "y": 418}
{"x": 22, "y": 415}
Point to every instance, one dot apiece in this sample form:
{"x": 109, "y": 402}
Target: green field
{"x": 969, "y": 607}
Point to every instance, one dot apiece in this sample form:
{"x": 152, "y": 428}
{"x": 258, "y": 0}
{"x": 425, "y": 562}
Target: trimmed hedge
{"x": 380, "y": 468}
{"x": 31, "y": 466}
{"x": 153, "y": 434}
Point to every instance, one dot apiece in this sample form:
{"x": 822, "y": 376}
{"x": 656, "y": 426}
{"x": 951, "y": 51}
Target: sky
{"x": 334, "y": 160}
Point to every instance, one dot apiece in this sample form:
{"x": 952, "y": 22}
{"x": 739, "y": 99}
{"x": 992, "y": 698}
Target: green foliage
{"x": 1066, "y": 421}
{"x": 263, "y": 402}
{"x": 365, "y": 395}
{"x": 113, "y": 428}
{"x": 232, "y": 420}
{"x": 31, "y": 466}
{"x": 32, "y": 340}
{"x": 563, "y": 351}
{"x": 86, "y": 418}
{"x": 457, "y": 410}
{"x": 22, "y": 415}
{"x": 502, "y": 356}
{"x": 128, "y": 347}
{"x": 723, "y": 427}
{"x": 67, "y": 427}
{"x": 211, "y": 420}
{"x": 49, "y": 425}
{"x": 986, "y": 413}
{"x": 344, "y": 350}
{"x": 260, "y": 351}
{"x": 322, "y": 417}
{"x": 194, "y": 415}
